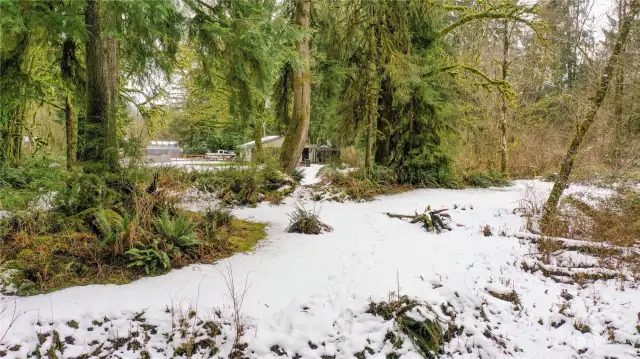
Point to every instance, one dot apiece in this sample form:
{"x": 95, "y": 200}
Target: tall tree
{"x": 298, "y": 128}
{"x": 595, "y": 102}
{"x": 504, "y": 67}
{"x": 100, "y": 115}
{"x": 241, "y": 46}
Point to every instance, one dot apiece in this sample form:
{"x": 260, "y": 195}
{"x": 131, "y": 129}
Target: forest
{"x": 513, "y": 122}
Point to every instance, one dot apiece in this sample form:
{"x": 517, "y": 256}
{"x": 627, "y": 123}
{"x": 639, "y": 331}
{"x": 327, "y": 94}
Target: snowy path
{"x": 305, "y": 289}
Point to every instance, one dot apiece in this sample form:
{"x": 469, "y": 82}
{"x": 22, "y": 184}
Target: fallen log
{"x": 431, "y": 220}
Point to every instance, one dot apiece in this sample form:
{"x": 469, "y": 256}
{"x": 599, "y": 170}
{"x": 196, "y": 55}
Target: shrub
{"x": 306, "y": 222}
{"x": 361, "y": 184}
{"x": 244, "y": 186}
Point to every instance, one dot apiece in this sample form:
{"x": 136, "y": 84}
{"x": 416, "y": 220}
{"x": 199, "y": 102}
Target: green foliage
{"x": 244, "y": 185}
{"x": 491, "y": 178}
{"x": 306, "y": 222}
{"x": 219, "y": 217}
{"x": 152, "y": 260}
{"x": 358, "y": 185}
{"x": 177, "y": 233}
{"x": 21, "y": 186}
{"x": 298, "y": 174}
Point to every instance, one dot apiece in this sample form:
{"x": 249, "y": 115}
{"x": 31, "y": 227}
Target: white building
{"x": 271, "y": 145}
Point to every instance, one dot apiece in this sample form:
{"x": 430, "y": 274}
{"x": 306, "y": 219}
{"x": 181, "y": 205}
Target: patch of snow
{"x": 311, "y": 174}
{"x": 316, "y": 289}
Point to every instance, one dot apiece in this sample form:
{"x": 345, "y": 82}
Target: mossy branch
{"x": 491, "y": 14}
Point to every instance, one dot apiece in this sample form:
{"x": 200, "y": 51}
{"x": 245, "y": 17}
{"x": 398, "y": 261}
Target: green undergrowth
{"x": 487, "y": 179}
{"x": 247, "y": 185}
{"x": 362, "y": 185}
{"x": 104, "y": 227}
{"x": 21, "y": 187}
{"x": 356, "y": 185}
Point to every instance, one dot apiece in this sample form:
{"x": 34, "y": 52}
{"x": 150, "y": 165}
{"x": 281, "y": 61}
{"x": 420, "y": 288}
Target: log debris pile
{"x": 433, "y": 221}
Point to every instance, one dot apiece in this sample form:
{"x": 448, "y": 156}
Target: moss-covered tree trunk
{"x": 71, "y": 130}
{"x": 97, "y": 91}
{"x": 69, "y": 70}
{"x": 595, "y": 101}
{"x": 113, "y": 88}
{"x": 618, "y": 96}
{"x": 102, "y": 91}
{"x": 503, "y": 123}
{"x": 13, "y": 102}
{"x": 298, "y": 128}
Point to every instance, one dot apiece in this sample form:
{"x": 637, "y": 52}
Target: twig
{"x": 14, "y": 317}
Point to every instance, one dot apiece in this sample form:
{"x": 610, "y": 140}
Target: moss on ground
{"x": 43, "y": 264}
{"x": 244, "y": 236}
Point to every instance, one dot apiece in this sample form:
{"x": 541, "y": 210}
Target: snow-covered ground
{"x": 306, "y": 295}
{"x": 311, "y": 174}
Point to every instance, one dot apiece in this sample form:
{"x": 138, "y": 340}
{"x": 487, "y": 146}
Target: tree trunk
{"x": 69, "y": 69}
{"x": 618, "y": 110}
{"x": 503, "y": 122}
{"x": 71, "y": 128}
{"x": 13, "y": 103}
{"x": 102, "y": 91}
{"x": 113, "y": 88}
{"x": 299, "y": 127}
{"x": 97, "y": 88}
{"x": 594, "y": 105}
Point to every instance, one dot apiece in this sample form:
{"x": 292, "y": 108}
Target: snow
{"x": 311, "y": 174}
{"x": 315, "y": 289}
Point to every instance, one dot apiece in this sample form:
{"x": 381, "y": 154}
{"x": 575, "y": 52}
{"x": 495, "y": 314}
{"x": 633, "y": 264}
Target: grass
{"x": 306, "y": 222}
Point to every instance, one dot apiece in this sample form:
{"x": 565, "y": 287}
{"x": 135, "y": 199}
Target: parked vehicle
{"x": 221, "y": 155}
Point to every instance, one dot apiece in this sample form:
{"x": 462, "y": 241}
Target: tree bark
{"x": 113, "y": 88}
{"x": 503, "y": 122}
{"x": 69, "y": 68}
{"x": 71, "y": 129}
{"x": 595, "y": 102}
{"x": 618, "y": 110}
{"x": 298, "y": 129}
{"x": 13, "y": 104}
{"x": 102, "y": 91}
{"x": 97, "y": 90}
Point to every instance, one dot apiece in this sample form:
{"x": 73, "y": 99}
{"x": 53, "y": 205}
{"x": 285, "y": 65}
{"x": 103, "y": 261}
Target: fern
{"x": 178, "y": 232}
{"x": 153, "y": 261}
